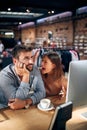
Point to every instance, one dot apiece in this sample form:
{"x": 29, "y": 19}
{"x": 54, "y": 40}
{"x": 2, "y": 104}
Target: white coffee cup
{"x": 45, "y": 103}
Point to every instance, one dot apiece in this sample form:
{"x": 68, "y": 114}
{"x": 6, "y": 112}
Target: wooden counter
{"x": 35, "y": 119}
{"x": 78, "y": 122}
{"x": 25, "y": 119}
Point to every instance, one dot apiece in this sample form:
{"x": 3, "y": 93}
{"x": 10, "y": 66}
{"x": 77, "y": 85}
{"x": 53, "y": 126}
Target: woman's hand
{"x": 62, "y": 92}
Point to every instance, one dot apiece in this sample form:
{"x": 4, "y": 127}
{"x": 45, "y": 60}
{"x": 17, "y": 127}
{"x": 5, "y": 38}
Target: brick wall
{"x": 65, "y": 29}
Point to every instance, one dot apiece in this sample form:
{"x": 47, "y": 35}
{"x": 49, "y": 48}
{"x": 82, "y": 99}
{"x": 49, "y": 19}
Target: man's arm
{"x": 38, "y": 94}
{"x": 11, "y": 88}
{"x": 19, "y": 104}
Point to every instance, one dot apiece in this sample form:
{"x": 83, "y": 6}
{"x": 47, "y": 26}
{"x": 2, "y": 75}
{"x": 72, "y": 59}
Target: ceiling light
{"x": 20, "y": 23}
{"x": 27, "y": 10}
{"x": 52, "y": 11}
{"x": 49, "y": 12}
{"x": 9, "y": 9}
{"x": 19, "y": 14}
{"x": 9, "y": 33}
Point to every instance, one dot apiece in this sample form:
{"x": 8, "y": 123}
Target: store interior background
{"x": 62, "y": 22}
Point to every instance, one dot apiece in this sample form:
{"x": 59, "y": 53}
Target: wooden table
{"x": 78, "y": 122}
{"x": 35, "y": 119}
{"x": 25, "y": 119}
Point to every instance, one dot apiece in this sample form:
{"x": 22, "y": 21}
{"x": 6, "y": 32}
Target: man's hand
{"x": 22, "y": 71}
{"x": 16, "y": 103}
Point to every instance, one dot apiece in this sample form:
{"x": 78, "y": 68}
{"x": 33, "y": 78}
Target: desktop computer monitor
{"x": 77, "y": 83}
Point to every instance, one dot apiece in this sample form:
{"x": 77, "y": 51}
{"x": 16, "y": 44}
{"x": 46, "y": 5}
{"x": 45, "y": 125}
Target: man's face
{"x": 27, "y": 59}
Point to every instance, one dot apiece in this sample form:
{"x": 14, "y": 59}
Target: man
{"x": 21, "y": 82}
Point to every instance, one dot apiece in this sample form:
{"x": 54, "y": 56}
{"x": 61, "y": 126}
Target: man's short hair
{"x": 20, "y": 48}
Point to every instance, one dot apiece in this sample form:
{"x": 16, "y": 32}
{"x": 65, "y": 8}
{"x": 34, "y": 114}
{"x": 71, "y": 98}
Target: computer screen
{"x": 77, "y": 83}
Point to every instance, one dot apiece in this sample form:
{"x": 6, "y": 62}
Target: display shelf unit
{"x": 80, "y": 44}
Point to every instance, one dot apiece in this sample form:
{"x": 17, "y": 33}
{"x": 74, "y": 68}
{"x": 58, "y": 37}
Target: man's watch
{"x": 26, "y": 106}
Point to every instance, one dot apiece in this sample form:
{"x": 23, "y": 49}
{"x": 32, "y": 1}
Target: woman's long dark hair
{"x": 54, "y": 57}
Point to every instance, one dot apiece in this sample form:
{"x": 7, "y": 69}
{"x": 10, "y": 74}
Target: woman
{"x": 53, "y": 76}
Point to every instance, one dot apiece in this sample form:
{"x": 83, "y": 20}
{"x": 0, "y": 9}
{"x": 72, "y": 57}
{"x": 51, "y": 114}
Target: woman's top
{"x": 55, "y": 86}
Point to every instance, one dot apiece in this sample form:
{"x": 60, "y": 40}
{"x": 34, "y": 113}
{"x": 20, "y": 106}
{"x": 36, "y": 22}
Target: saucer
{"x": 47, "y": 109}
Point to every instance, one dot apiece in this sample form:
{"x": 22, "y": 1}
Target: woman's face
{"x": 47, "y": 66}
